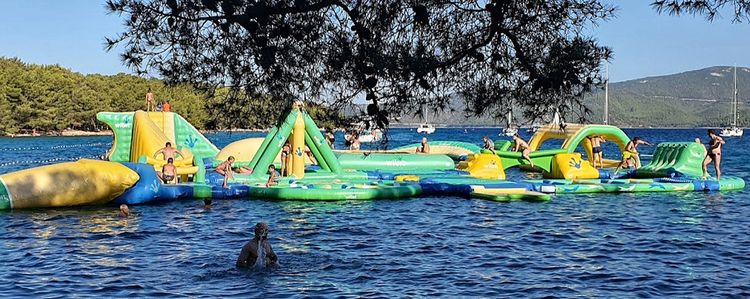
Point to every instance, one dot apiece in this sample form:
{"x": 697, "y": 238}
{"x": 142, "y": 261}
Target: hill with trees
{"x": 50, "y": 98}
{"x": 690, "y": 99}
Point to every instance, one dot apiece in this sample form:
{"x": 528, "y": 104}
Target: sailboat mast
{"x": 606, "y": 95}
{"x": 734, "y": 120}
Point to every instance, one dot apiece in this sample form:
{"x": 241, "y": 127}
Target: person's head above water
{"x": 124, "y": 210}
{"x": 170, "y": 160}
{"x": 261, "y": 230}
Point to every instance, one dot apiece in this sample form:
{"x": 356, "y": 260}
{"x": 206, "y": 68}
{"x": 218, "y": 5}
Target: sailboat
{"x": 734, "y": 130}
{"x": 425, "y": 128}
{"x": 510, "y": 130}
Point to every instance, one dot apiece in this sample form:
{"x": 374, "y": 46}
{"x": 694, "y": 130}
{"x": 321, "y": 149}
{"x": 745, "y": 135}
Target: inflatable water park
{"x": 130, "y": 173}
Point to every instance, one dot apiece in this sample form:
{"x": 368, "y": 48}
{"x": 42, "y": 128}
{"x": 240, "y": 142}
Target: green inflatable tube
{"x": 404, "y": 163}
{"x": 337, "y": 192}
{"x": 263, "y": 147}
{"x": 275, "y": 144}
{"x": 316, "y": 153}
{"x": 319, "y": 141}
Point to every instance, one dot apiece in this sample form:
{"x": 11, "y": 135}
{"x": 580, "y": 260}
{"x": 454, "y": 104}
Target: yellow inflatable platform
{"x": 84, "y": 182}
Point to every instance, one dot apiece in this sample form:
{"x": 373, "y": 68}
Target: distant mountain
{"x": 690, "y": 99}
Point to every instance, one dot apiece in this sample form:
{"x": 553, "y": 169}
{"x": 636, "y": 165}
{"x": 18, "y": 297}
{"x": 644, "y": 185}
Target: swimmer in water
{"x": 207, "y": 203}
{"x": 124, "y": 211}
{"x": 258, "y": 247}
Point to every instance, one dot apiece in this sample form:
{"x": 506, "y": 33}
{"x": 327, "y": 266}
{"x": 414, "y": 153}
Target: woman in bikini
{"x": 713, "y": 154}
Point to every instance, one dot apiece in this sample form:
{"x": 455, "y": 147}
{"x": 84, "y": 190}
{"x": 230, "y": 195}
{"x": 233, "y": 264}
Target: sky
{"x": 71, "y": 33}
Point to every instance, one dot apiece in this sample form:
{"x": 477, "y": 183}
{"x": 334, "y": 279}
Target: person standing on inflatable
{"x": 150, "y": 104}
{"x": 166, "y": 107}
{"x": 596, "y": 149}
{"x": 713, "y": 154}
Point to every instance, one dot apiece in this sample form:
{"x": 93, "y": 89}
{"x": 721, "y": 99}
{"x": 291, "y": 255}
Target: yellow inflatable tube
{"x": 84, "y": 182}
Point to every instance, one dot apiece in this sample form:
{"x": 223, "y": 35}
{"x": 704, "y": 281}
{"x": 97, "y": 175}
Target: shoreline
{"x": 80, "y": 133}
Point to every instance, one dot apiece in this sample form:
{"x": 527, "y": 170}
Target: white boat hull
{"x": 732, "y": 132}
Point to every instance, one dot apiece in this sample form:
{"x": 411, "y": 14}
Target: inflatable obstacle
{"x": 85, "y": 182}
{"x": 674, "y": 159}
{"x": 640, "y": 185}
{"x": 455, "y": 149}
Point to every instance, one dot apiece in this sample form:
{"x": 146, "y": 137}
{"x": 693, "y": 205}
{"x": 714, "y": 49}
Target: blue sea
{"x": 599, "y": 245}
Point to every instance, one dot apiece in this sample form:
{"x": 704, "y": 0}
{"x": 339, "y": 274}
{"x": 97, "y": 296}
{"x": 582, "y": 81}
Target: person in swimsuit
{"x": 331, "y": 139}
{"x": 168, "y": 171}
{"x": 488, "y": 144}
{"x": 631, "y": 153}
{"x": 166, "y": 107}
{"x": 168, "y": 151}
{"x": 225, "y": 169}
{"x": 285, "y": 152}
{"x": 273, "y": 176}
{"x": 310, "y": 155}
{"x": 150, "y": 105}
{"x": 521, "y": 145}
{"x": 713, "y": 154}
{"x": 355, "y": 142}
{"x": 424, "y": 148}
{"x": 596, "y": 149}
{"x": 259, "y": 245}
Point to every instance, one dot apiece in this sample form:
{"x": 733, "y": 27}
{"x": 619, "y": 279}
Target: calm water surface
{"x": 600, "y": 245}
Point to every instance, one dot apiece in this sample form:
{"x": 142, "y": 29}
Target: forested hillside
{"x": 51, "y": 98}
{"x": 690, "y": 99}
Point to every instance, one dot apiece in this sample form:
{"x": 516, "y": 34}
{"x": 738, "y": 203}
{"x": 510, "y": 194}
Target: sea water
{"x": 599, "y": 245}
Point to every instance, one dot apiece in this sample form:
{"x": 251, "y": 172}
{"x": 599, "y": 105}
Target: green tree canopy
{"x": 400, "y": 55}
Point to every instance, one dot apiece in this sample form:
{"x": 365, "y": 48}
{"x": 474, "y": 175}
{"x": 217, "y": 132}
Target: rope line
{"x": 46, "y": 161}
{"x": 31, "y": 148}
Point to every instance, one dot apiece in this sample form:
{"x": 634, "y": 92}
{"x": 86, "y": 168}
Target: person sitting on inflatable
{"x": 258, "y": 252}
{"x": 168, "y": 172}
{"x": 631, "y": 153}
{"x": 273, "y": 176}
{"x": 521, "y": 145}
{"x": 424, "y": 148}
{"x": 168, "y": 151}
{"x": 488, "y": 144}
{"x": 227, "y": 169}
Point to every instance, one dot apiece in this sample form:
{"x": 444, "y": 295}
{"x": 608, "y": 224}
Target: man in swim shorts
{"x": 258, "y": 246}
{"x": 713, "y": 153}
{"x": 596, "y": 149}
{"x": 631, "y": 154}
{"x": 424, "y": 148}
{"x": 488, "y": 144}
{"x": 168, "y": 151}
{"x": 168, "y": 172}
{"x": 521, "y": 145}
{"x": 273, "y": 176}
